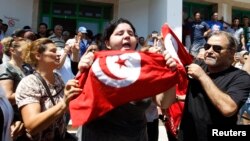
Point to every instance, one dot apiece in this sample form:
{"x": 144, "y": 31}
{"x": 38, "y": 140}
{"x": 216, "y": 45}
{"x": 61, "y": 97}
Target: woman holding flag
{"x": 126, "y": 122}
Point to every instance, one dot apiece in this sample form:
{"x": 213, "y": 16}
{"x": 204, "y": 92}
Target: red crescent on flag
{"x": 126, "y": 69}
{"x": 105, "y": 69}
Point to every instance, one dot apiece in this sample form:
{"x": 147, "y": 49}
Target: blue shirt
{"x": 215, "y": 25}
{"x": 84, "y": 44}
{"x": 198, "y": 29}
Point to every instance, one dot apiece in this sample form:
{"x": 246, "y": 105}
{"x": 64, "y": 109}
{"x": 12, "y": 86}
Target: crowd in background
{"x": 18, "y": 60}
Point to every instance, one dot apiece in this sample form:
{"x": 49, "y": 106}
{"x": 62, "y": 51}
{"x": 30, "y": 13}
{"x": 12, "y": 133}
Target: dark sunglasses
{"x": 216, "y": 48}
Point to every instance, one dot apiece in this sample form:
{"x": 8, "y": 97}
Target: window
{"x": 190, "y": 8}
{"x": 90, "y": 11}
{"x": 64, "y": 9}
{"x": 240, "y": 14}
{"x": 46, "y": 6}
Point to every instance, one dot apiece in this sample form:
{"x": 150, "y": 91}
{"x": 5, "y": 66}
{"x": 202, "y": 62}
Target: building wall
{"x": 137, "y": 12}
{"x": 142, "y": 13}
{"x": 225, "y": 6}
{"x": 157, "y": 14}
{"x": 149, "y": 15}
{"x": 16, "y": 13}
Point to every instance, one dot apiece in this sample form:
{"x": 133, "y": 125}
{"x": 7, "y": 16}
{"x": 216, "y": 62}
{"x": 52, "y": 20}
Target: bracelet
{"x": 179, "y": 99}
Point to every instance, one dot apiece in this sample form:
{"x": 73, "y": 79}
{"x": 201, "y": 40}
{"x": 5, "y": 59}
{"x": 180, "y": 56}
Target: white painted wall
{"x": 157, "y": 14}
{"x": 149, "y": 15}
{"x": 146, "y": 15}
{"x": 166, "y": 11}
{"x": 16, "y": 13}
{"x": 135, "y": 11}
{"x": 174, "y": 16}
{"x": 245, "y": 1}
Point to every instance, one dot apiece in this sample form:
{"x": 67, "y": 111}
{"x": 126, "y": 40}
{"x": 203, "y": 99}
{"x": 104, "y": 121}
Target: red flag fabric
{"x": 116, "y": 78}
{"x": 178, "y": 51}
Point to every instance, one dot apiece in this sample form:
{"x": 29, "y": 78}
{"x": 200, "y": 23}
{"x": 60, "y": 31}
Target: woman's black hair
{"x": 112, "y": 26}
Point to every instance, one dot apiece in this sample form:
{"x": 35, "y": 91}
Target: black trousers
{"x": 153, "y": 130}
{"x": 1, "y": 123}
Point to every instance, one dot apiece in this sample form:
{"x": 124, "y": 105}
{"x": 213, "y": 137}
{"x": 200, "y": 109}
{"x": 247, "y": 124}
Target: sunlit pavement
{"x": 162, "y": 132}
{"x": 70, "y": 129}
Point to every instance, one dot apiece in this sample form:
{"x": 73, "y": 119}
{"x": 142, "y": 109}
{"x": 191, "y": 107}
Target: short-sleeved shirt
{"x": 236, "y": 33}
{"x": 247, "y": 36}
{"x": 200, "y": 112}
{"x": 197, "y": 30}
{"x": 31, "y": 90}
{"x": 8, "y": 71}
{"x": 59, "y": 42}
{"x": 84, "y": 44}
{"x": 215, "y": 25}
{"x": 65, "y": 71}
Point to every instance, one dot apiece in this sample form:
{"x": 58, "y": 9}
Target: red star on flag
{"x": 121, "y": 62}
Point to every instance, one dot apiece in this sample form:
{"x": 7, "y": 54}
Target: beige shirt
{"x": 31, "y": 90}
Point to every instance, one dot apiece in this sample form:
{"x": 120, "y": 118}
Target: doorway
{"x": 68, "y": 24}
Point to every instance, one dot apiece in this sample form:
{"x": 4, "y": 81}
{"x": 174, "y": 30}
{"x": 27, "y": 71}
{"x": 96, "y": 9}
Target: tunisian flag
{"x": 177, "y": 50}
{"x": 116, "y": 78}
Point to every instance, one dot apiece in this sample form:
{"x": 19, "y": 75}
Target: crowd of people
{"x": 37, "y": 82}
{"x": 196, "y": 31}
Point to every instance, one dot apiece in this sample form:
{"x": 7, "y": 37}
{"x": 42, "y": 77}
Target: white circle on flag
{"x": 124, "y": 69}
{"x": 172, "y": 46}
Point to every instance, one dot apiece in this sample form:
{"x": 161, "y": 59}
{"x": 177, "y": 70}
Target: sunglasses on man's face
{"x": 216, "y": 48}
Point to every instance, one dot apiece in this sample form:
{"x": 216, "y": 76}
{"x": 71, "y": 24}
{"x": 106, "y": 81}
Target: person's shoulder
{"x": 7, "y": 70}
{"x": 244, "y": 76}
{"x": 30, "y": 77}
{"x": 240, "y": 73}
{"x": 52, "y": 36}
{"x": 2, "y": 66}
{"x": 4, "y": 73}
{"x": 70, "y": 41}
{"x": 208, "y": 22}
{"x": 203, "y": 22}
{"x": 229, "y": 29}
{"x": 241, "y": 29}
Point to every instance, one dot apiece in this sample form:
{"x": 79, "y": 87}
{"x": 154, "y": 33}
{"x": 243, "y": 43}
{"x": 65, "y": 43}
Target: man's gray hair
{"x": 232, "y": 42}
{"x": 58, "y": 26}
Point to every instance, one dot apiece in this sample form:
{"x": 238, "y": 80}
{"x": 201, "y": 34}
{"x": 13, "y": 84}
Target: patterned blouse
{"x": 31, "y": 90}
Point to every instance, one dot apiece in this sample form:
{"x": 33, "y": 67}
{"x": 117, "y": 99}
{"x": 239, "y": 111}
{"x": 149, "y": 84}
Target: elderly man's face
{"x": 58, "y": 31}
{"x": 217, "y": 53}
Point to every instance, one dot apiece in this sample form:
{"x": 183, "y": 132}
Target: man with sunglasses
{"x": 216, "y": 90}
